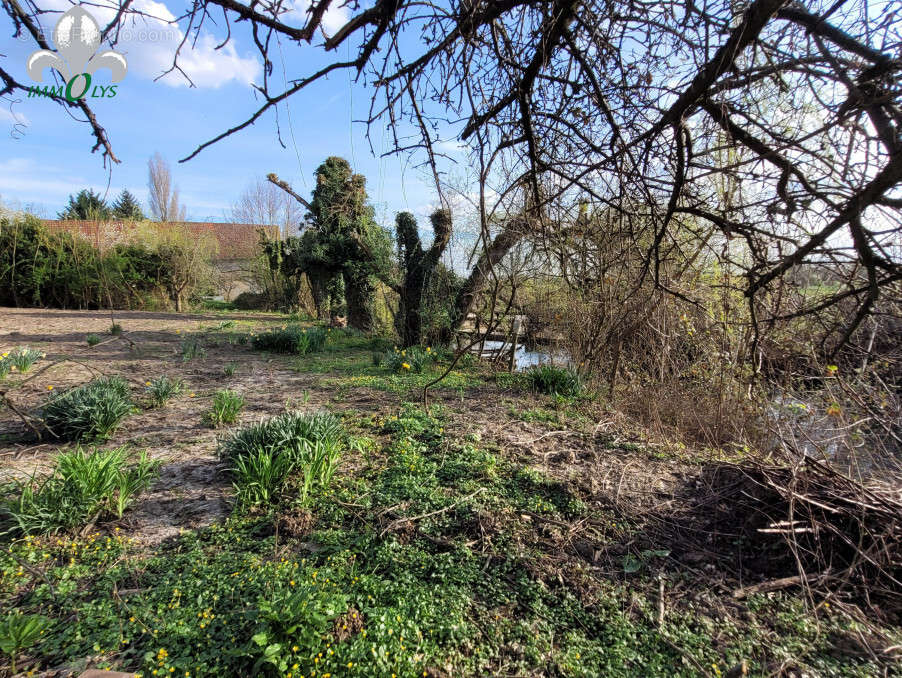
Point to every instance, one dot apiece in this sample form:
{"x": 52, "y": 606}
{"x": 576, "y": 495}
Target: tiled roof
{"x": 236, "y": 241}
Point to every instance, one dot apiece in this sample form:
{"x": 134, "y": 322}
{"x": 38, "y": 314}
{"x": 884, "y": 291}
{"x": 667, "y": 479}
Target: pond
{"x": 525, "y": 358}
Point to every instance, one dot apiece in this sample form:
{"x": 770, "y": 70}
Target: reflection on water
{"x": 524, "y": 358}
{"x": 854, "y": 448}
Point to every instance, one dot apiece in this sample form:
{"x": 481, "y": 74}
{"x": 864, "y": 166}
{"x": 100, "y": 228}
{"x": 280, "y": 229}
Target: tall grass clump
{"x": 556, "y": 381}
{"x": 291, "y": 339}
{"x": 91, "y": 411}
{"x": 163, "y": 389}
{"x": 83, "y": 488}
{"x": 226, "y": 406}
{"x": 264, "y": 456}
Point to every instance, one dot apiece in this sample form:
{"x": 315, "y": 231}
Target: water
{"x": 855, "y": 448}
{"x": 523, "y": 357}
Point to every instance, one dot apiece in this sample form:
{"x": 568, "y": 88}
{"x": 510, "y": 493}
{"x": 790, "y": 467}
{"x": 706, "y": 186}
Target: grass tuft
{"x": 263, "y": 456}
{"x": 291, "y": 339}
{"x": 91, "y": 411}
{"x": 83, "y": 488}
{"x": 93, "y": 339}
{"x": 163, "y": 389}
{"x": 191, "y": 349}
{"x": 556, "y": 381}
{"x": 226, "y": 406}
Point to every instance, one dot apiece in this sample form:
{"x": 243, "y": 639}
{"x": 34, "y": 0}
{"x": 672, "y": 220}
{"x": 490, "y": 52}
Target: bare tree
{"x": 164, "y": 197}
{"x": 264, "y": 204}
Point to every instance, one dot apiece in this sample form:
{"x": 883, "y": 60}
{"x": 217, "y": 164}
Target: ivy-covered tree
{"x": 127, "y": 207}
{"x": 86, "y": 205}
{"x": 417, "y": 267}
{"x": 351, "y": 242}
{"x": 342, "y": 247}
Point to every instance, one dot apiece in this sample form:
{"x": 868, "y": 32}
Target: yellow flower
{"x": 50, "y": 388}
{"x": 405, "y": 366}
{"x": 147, "y": 383}
{"x": 190, "y": 395}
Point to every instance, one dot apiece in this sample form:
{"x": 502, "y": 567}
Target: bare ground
{"x": 191, "y": 490}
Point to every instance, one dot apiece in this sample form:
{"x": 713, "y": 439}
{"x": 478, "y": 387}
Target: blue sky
{"x": 45, "y": 154}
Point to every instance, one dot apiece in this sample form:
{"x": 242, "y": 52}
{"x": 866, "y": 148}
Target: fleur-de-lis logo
{"x": 77, "y": 37}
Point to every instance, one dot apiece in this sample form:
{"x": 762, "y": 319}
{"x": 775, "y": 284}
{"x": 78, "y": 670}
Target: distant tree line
{"x": 154, "y": 269}
{"x": 163, "y": 198}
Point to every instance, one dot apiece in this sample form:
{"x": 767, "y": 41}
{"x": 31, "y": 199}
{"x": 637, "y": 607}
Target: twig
{"x": 401, "y": 521}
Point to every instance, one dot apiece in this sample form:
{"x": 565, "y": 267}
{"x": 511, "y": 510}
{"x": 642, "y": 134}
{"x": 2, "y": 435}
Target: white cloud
{"x": 149, "y": 43}
{"x": 452, "y": 147}
{"x": 335, "y": 17}
{"x": 9, "y": 113}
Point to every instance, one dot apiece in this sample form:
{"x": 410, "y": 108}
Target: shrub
{"x": 93, "y": 339}
{"x": 291, "y": 339}
{"x": 226, "y": 406}
{"x": 411, "y": 359}
{"x": 163, "y": 389}
{"x": 557, "y": 381}
{"x": 91, "y": 411}
{"x": 250, "y": 301}
{"x": 21, "y": 359}
{"x": 83, "y": 488}
{"x": 115, "y": 329}
{"x": 41, "y": 268}
{"x": 261, "y": 457}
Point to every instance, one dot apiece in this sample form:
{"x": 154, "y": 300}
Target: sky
{"x": 45, "y": 155}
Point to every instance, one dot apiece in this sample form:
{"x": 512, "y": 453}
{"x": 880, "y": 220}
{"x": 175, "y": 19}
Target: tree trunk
{"x": 411, "y": 320}
{"x": 359, "y": 290}
{"x": 488, "y": 259}
{"x": 319, "y": 294}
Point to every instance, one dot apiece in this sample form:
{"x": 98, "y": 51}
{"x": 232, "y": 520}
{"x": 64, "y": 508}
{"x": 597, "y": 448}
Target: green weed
{"x": 115, "y": 329}
{"x": 93, "y": 339}
{"x": 19, "y": 632}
